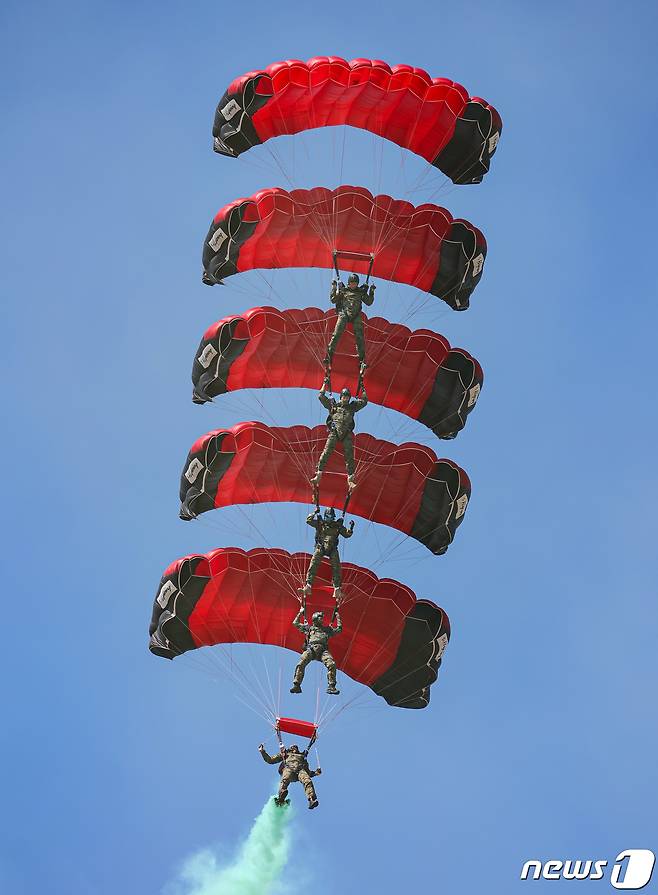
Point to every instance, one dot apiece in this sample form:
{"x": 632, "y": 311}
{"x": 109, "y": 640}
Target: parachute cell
{"x": 390, "y": 641}
{"x": 423, "y": 247}
{"x": 416, "y": 373}
{"x": 434, "y": 118}
{"x": 403, "y": 486}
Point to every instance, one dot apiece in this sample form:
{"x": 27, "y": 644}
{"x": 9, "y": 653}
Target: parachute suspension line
{"x": 316, "y": 349}
{"x": 262, "y": 538}
{"x": 290, "y": 587}
{"x": 316, "y": 716}
{"x": 254, "y": 676}
{"x": 296, "y": 457}
{"x": 256, "y": 622}
{"x": 209, "y": 521}
{"x": 240, "y": 679}
{"x": 294, "y": 454}
{"x": 263, "y": 699}
{"x": 216, "y": 677}
{"x": 340, "y": 179}
{"x": 331, "y": 711}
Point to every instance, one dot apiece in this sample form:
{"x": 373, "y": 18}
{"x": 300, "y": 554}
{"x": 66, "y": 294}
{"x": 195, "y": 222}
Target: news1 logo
{"x": 632, "y": 869}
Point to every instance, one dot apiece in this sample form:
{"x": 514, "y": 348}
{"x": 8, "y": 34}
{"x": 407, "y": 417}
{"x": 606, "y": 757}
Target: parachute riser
{"x": 364, "y": 256}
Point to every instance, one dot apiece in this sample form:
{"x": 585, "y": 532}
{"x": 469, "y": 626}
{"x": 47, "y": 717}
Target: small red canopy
{"x": 298, "y": 728}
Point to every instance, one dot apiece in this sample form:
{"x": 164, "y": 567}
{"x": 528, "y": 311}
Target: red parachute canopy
{"x": 416, "y": 373}
{"x": 432, "y": 117}
{"x": 391, "y": 642}
{"x": 297, "y": 728}
{"x": 423, "y": 247}
{"x": 403, "y": 486}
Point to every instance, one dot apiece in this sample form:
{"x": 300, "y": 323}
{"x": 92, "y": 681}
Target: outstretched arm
{"x": 324, "y": 400}
{"x": 359, "y": 403}
{"x": 270, "y": 759}
{"x": 369, "y": 295}
{"x": 298, "y": 623}
{"x": 338, "y": 627}
{"x": 312, "y": 519}
{"x": 347, "y": 532}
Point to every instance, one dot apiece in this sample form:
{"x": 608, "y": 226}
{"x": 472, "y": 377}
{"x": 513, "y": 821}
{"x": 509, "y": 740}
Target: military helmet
{"x": 346, "y": 393}
{"x": 330, "y": 514}
{"x": 293, "y": 748}
{"x": 317, "y": 618}
{"x": 353, "y": 278}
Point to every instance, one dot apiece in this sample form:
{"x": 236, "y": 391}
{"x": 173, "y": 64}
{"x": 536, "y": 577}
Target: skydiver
{"x": 316, "y": 647}
{"x": 340, "y": 424}
{"x": 328, "y": 529}
{"x": 293, "y": 767}
{"x": 349, "y": 302}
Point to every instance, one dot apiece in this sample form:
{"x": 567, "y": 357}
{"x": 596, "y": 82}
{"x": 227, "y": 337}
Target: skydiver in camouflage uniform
{"x": 293, "y": 768}
{"x": 349, "y": 302}
{"x": 340, "y": 423}
{"x": 316, "y": 646}
{"x": 327, "y": 532}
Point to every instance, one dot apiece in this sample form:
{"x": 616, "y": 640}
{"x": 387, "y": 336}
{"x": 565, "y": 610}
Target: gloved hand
{"x": 261, "y": 748}
{"x": 318, "y": 772}
{"x": 352, "y": 525}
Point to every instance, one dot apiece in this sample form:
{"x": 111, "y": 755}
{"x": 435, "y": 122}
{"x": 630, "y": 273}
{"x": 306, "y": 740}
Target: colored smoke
{"x": 256, "y": 868}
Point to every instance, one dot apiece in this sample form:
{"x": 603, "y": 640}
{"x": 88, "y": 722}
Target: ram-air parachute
{"x": 432, "y": 117}
{"x": 406, "y": 486}
{"x": 420, "y": 246}
{"x": 416, "y": 373}
{"x": 391, "y": 642}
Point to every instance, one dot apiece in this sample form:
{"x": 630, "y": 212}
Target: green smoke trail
{"x": 257, "y": 867}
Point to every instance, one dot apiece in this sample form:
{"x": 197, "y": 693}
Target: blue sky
{"x": 542, "y": 733}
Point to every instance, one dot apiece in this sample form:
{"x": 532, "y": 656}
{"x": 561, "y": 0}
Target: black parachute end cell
{"x": 467, "y": 155}
{"x": 461, "y": 261}
{"x": 453, "y": 396}
{"x": 177, "y": 596}
{"x": 202, "y": 475}
{"x": 435, "y": 522}
{"x": 406, "y": 683}
{"x": 233, "y": 128}
{"x": 221, "y": 248}
{"x": 210, "y": 377}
